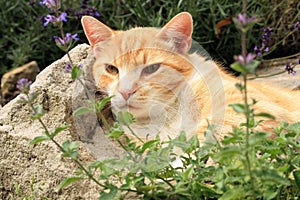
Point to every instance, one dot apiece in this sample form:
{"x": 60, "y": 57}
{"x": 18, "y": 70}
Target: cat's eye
{"x": 151, "y": 69}
{"x": 111, "y": 69}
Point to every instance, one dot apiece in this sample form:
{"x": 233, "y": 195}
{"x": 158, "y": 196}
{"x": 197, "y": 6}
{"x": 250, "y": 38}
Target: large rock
{"x": 284, "y": 80}
{"x": 43, "y": 164}
{"x": 9, "y": 80}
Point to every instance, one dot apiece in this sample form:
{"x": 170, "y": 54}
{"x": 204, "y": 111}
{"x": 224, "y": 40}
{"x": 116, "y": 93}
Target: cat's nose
{"x": 127, "y": 93}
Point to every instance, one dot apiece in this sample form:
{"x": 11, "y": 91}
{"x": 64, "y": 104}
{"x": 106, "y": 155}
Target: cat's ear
{"x": 179, "y": 30}
{"x": 95, "y": 31}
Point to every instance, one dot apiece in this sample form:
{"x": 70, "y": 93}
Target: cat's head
{"x": 144, "y": 68}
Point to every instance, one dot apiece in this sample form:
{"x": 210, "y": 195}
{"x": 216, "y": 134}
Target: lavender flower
{"x": 69, "y": 67}
{"x": 249, "y": 58}
{"x": 55, "y": 20}
{"x": 83, "y": 4}
{"x": 244, "y": 20}
{"x": 31, "y": 2}
{"x": 23, "y": 85}
{"x": 85, "y": 10}
{"x": 297, "y": 24}
{"x": 66, "y": 42}
{"x": 265, "y": 43}
{"x": 243, "y": 23}
{"x": 290, "y": 69}
{"x": 51, "y": 4}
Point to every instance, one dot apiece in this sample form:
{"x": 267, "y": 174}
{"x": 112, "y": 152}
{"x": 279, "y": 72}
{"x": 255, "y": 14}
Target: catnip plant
{"x": 246, "y": 164}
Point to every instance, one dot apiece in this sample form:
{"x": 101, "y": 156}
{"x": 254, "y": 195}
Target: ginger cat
{"x": 151, "y": 74}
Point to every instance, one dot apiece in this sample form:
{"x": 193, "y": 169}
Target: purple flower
{"x": 290, "y": 69}
{"x": 51, "y": 4}
{"x": 298, "y": 62}
{"x": 249, "y": 58}
{"x": 69, "y": 67}
{"x": 244, "y": 20}
{"x": 49, "y": 19}
{"x": 266, "y": 41}
{"x": 55, "y": 20}
{"x": 70, "y": 37}
{"x": 83, "y": 4}
{"x": 63, "y": 17}
{"x": 23, "y": 85}
{"x": 66, "y": 42}
{"x": 297, "y": 24}
{"x": 88, "y": 11}
{"x": 31, "y": 2}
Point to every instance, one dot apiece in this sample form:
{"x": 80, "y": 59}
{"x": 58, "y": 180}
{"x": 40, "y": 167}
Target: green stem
{"x": 247, "y": 111}
{"x": 106, "y": 125}
{"x": 122, "y": 145}
{"x": 63, "y": 150}
{"x": 266, "y": 76}
{"x": 279, "y": 42}
{"x": 281, "y": 58}
{"x": 167, "y": 182}
{"x": 133, "y": 133}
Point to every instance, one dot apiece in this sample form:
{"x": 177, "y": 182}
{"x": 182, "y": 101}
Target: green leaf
{"x": 296, "y": 175}
{"x": 100, "y": 105}
{"x": 251, "y": 67}
{"x": 266, "y": 115}
{"x": 82, "y": 111}
{"x": 272, "y": 176}
{"x": 239, "y": 86}
{"x": 239, "y": 108}
{"x": 76, "y": 72}
{"x": 115, "y": 133}
{"x": 39, "y": 139}
{"x": 109, "y": 196}
{"x": 58, "y": 130}
{"x": 148, "y": 144}
{"x": 68, "y": 181}
{"x": 269, "y": 195}
{"x": 228, "y": 152}
{"x": 187, "y": 174}
{"x": 234, "y": 193}
{"x": 32, "y": 97}
{"x": 260, "y": 136}
{"x": 125, "y": 118}
{"x": 70, "y": 149}
{"x": 293, "y": 127}
{"x": 38, "y": 112}
{"x": 239, "y": 68}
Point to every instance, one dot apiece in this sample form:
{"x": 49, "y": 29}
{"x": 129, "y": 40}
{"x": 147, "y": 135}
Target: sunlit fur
{"x": 186, "y": 93}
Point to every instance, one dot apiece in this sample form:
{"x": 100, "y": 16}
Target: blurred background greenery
{"x": 24, "y": 38}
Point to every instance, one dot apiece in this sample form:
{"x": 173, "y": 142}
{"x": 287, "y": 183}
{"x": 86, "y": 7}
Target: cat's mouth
{"x": 129, "y": 107}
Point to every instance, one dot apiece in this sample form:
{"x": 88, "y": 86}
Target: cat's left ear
{"x": 179, "y": 30}
{"x": 96, "y": 31}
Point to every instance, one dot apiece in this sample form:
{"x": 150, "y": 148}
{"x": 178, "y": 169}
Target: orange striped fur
{"x": 168, "y": 90}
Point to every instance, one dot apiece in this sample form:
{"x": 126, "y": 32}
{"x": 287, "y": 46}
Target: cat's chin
{"x": 137, "y": 112}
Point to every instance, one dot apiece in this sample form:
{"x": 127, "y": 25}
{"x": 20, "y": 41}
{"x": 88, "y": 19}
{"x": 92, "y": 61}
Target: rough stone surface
{"x": 282, "y": 80}
{"x": 9, "y": 80}
{"x": 43, "y": 164}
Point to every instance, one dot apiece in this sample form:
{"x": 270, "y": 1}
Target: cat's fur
{"x": 184, "y": 92}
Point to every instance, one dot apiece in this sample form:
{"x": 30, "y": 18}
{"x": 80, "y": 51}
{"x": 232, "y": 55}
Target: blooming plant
{"x": 247, "y": 164}
{"x": 66, "y": 41}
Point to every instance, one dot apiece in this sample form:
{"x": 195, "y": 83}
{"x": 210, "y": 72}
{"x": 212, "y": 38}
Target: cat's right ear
{"x": 95, "y": 31}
